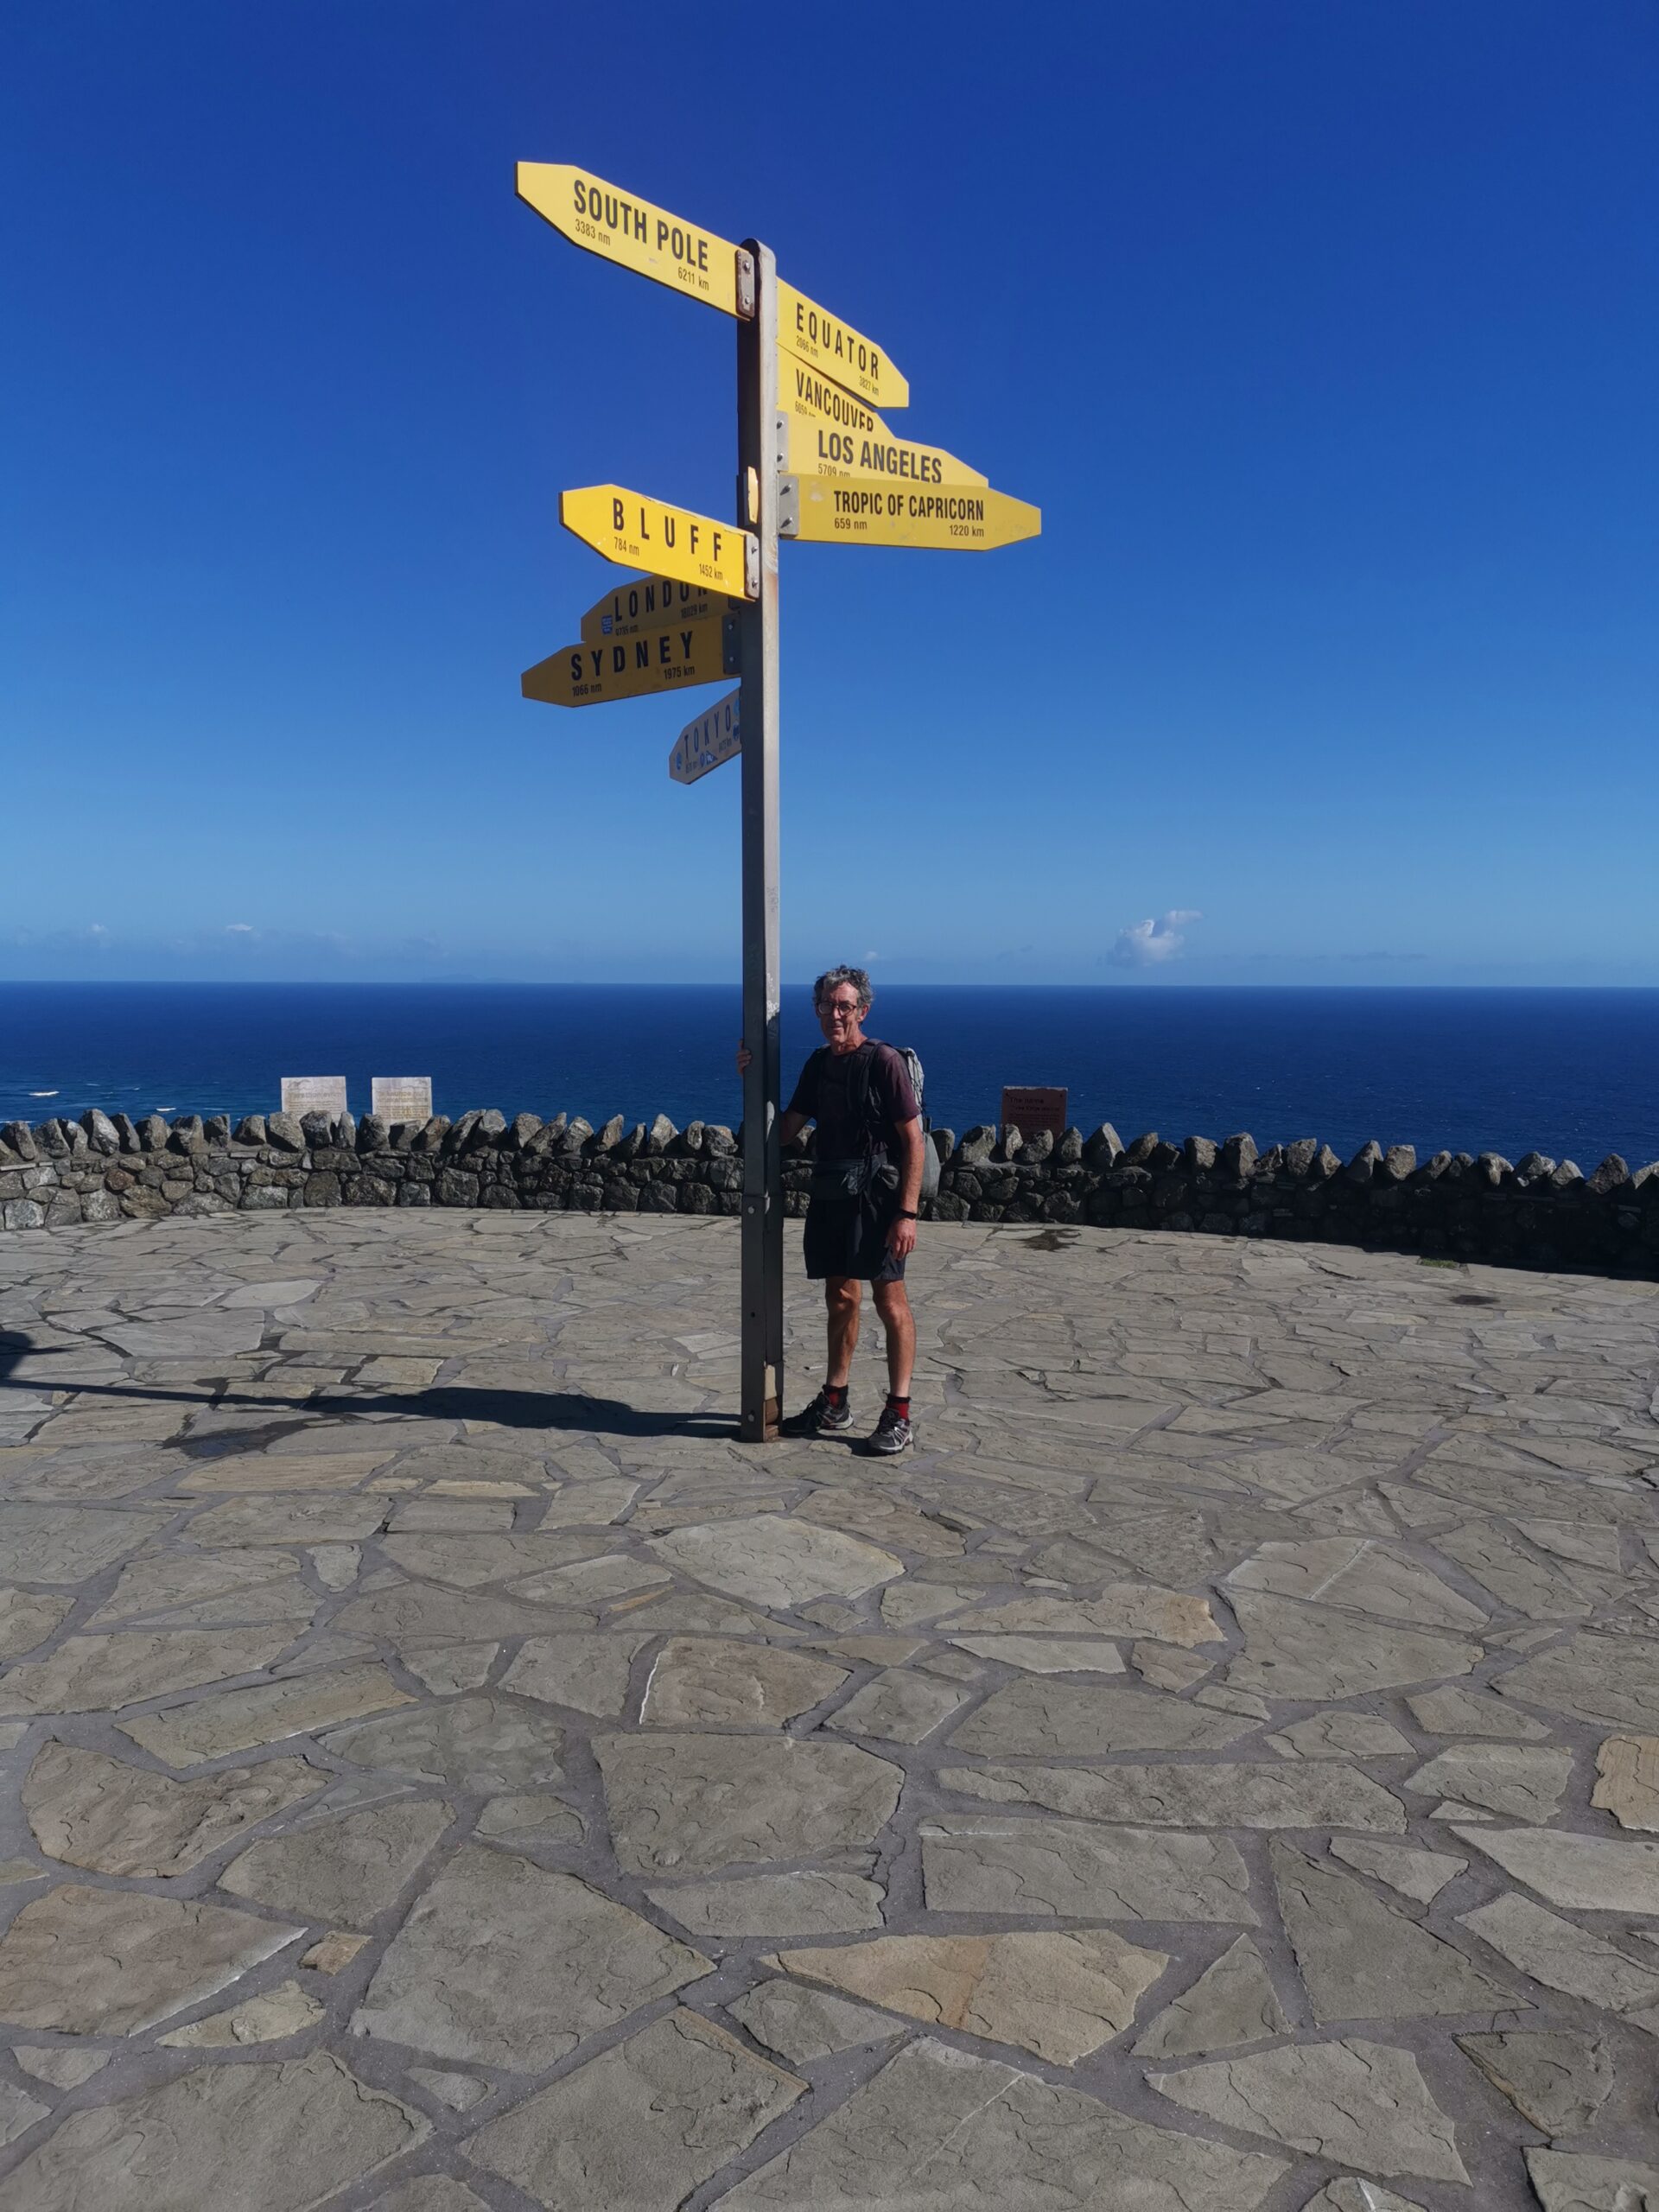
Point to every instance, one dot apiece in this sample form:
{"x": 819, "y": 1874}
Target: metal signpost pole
{"x": 761, "y": 1361}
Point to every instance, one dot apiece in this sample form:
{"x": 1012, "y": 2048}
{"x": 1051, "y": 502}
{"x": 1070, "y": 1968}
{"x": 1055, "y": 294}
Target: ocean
{"x": 1574, "y": 1073}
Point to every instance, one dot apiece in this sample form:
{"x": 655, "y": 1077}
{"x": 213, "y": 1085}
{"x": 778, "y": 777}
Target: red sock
{"x": 897, "y": 1405}
{"x": 837, "y": 1393}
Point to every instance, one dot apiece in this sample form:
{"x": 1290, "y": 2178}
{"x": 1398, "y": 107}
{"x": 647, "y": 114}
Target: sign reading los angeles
{"x": 641, "y": 533}
{"x": 624, "y": 228}
{"x": 713, "y": 739}
{"x": 868, "y": 511}
{"x": 586, "y": 675}
{"x": 646, "y": 603}
{"x": 829, "y": 431}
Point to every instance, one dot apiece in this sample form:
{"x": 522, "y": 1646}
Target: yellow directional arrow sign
{"x": 869, "y": 511}
{"x": 625, "y": 229}
{"x": 586, "y": 675}
{"x": 812, "y": 334}
{"x": 704, "y": 744}
{"x": 648, "y": 603}
{"x": 641, "y": 533}
{"x": 829, "y": 431}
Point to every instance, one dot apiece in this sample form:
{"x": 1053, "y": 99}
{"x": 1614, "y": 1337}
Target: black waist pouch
{"x": 843, "y": 1182}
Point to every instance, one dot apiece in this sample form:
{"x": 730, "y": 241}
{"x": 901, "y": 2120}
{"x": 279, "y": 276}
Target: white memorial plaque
{"x": 314, "y": 1094}
{"x": 402, "y": 1097}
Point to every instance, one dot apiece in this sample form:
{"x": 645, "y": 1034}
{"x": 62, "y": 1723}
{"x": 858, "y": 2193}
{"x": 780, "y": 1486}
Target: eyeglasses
{"x": 849, "y": 1007}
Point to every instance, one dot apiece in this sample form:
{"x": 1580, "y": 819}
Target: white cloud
{"x": 239, "y": 929}
{"x": 1144, "y": 944}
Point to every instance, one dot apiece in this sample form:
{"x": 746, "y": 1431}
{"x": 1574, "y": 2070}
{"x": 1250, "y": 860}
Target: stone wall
{"x": 1536, "y": 1212}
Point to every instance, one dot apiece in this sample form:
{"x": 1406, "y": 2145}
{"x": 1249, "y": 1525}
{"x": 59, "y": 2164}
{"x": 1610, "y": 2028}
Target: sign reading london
{"x": 624, "y": 228}
{"x": 868, "y": 511}
{"x": 647, "y": 603}
{"x": 586, "y": 675}
{"x": 641, "y": 533}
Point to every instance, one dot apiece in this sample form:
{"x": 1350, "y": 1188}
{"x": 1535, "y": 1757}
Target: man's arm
{"x": 901, "y": 1237}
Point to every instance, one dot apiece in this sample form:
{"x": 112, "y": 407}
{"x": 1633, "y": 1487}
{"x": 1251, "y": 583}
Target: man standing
{"x": 861, "y": 1223}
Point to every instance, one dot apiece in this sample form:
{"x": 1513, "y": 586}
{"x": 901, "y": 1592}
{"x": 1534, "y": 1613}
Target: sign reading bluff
{"x": 587, "y": 674}
{"x": 868, "y": 511}
{"x": 621, "y": 227}
{"x": 641, "y": 533}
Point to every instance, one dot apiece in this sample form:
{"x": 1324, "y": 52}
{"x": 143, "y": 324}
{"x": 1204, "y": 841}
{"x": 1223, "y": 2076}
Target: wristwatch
{"x": 903, "y": 1215}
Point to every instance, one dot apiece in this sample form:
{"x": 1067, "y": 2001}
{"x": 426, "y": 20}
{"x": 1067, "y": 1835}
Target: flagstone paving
{"x": 441, "y": 1771}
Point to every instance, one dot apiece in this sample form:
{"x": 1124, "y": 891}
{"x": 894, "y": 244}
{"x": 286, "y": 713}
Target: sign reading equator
{"x": 869, "y": 511}
{"x": 621, "y": 227}
{"x": 642, "y": 533}
{"x": 812, "y": 334}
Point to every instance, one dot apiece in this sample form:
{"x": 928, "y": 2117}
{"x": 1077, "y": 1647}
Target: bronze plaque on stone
{"x": 402, "y": 1097}
{"x": 314, "y": 1094}
{"x": 1033, "y": 1107}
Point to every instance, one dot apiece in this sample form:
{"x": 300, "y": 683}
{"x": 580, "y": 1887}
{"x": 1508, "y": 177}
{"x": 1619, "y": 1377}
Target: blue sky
{"x": 1324, "y": 337}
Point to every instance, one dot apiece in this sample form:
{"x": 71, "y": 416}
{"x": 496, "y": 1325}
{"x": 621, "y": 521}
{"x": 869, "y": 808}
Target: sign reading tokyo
{"x": 706, "y": 743}
{"x": 641, "y": 533}
{"x": 812, "y": 334}
{"x": 646, "y": 603}
{"x": 586, "y": 675}
{"x": 624, "y": 228}
{"x": 868, "y": 511}
{"x": 829, "y": 431}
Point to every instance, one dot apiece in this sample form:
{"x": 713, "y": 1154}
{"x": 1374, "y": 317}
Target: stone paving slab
{"x": 1217, "y": 1768}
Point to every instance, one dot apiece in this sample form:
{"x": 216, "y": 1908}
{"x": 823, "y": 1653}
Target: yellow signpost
{"x": 648, "y": 602}
{"x": 812, "y": 334}
{"x": 815, "y": 460}
{"x": 625, "y": 229}
{"x": 586, "y": 675}
{"x": 641, "y": 533}
{"x": 871, "y": 511}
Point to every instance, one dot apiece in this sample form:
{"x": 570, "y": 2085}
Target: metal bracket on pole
{"x": 761, "y": 1344}
{"x": 789, "y": 506}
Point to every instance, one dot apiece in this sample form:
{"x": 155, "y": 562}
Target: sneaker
{"x": 891, "y": 1434}
{"x": 823, "y": 1417}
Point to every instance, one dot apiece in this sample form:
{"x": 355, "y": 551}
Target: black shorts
{"x": 848, "y": 1236}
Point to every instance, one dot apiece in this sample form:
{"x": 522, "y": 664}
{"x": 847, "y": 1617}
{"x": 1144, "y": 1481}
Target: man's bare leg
{"x": 842, "y": 1296}
{"x": 898, "y": 1322}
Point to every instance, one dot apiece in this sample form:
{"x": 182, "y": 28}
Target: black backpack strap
{"x": 874, "y": 1138}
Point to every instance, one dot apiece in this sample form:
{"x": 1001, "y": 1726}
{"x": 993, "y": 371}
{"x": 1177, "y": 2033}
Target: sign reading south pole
{"x": 706, "y": 743}
{"x": 621, "y": 227}
{"x": 640, "y": 533}
{"x": 586, "y": 674}
{"x": 870, "y": 511}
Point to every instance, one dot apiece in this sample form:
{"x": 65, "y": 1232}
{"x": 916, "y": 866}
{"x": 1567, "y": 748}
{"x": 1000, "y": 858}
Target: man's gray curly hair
{"x": 858, "y": 977}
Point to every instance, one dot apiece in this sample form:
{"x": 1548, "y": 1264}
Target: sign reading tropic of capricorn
{"x": 817, "y": 463}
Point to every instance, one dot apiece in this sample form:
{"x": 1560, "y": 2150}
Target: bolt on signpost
{"x": 815, "y": 461}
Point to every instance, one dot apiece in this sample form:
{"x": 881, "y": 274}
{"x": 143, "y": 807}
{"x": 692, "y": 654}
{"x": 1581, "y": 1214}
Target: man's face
{"x": 839, "y": 1017}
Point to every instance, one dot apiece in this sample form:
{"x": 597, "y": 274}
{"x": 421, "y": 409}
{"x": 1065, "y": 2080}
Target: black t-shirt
{"x": 827, "y": 1094}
